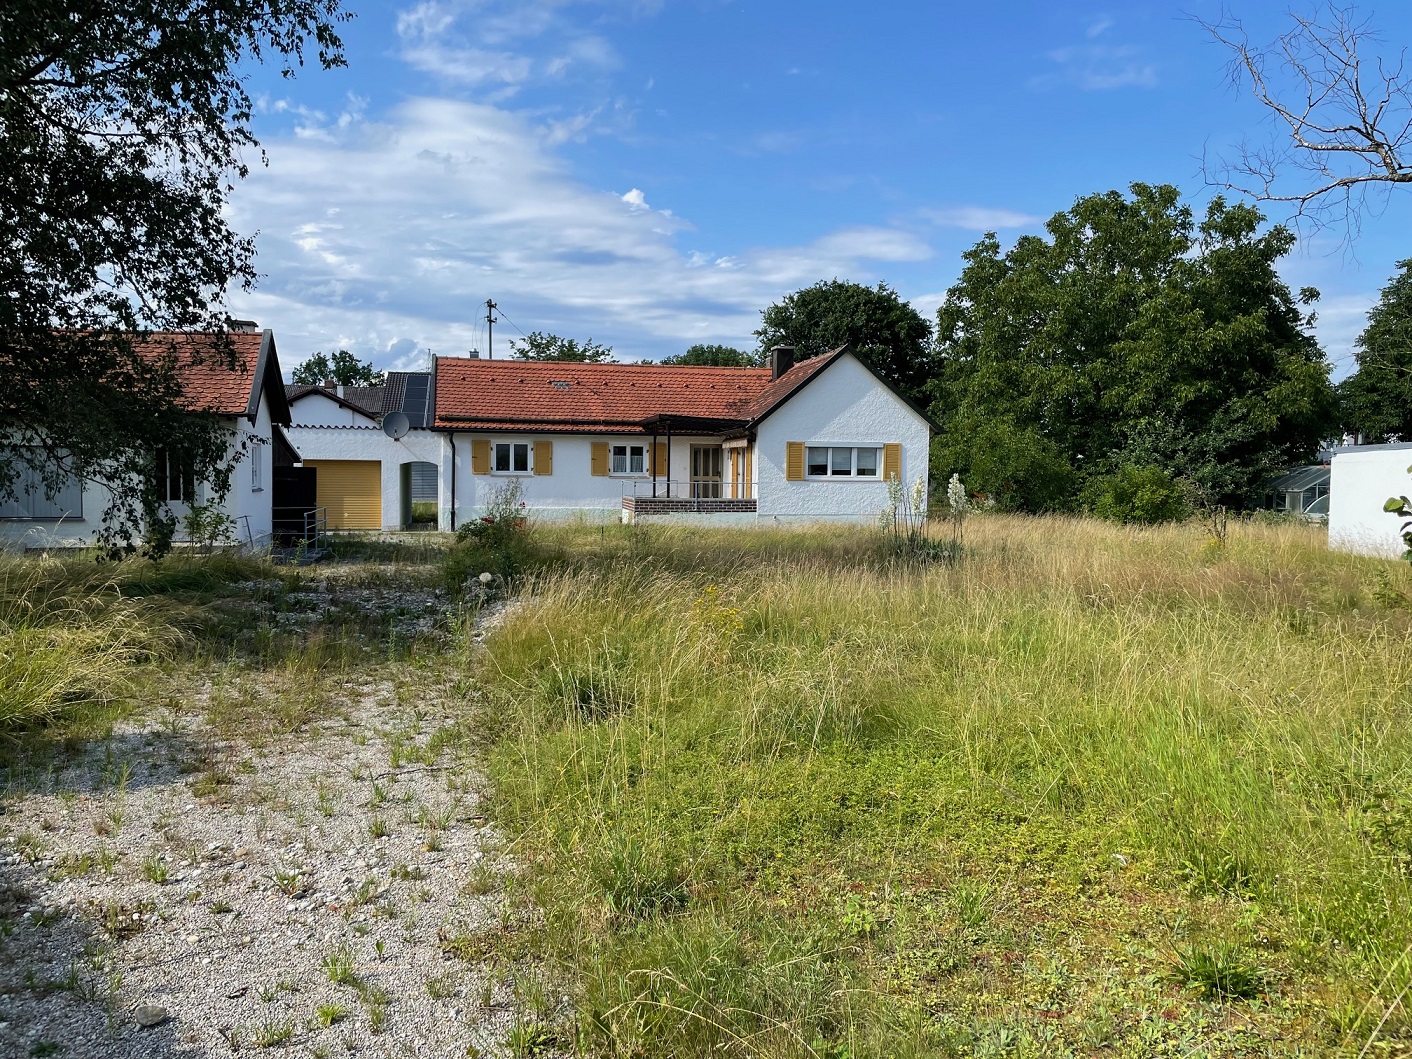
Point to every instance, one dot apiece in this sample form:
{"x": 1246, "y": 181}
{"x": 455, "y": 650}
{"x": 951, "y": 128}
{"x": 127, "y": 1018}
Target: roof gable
{"x": 367, "y": 402}
{"x": 793, "y": 381}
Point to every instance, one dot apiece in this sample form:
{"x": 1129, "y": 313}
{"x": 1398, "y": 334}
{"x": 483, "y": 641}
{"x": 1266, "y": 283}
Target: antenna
{"x": 395, "y": 425}
{"x": 490, "y": 323}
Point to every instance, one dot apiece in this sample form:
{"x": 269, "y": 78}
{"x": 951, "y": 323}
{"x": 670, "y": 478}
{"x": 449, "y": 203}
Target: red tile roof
{"x": 210, "y": 382}
{"x": 575, "y": 398}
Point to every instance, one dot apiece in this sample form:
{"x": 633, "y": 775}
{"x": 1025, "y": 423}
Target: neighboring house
{"x": 1363, "y": 478}
{"x": 1302, "y": 491}
{"x": 249, "y": 396}
{"x": 367, "y": 479}
{"x": 809, "y": 441}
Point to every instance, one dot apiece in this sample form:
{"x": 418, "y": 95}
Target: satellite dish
{"x": 395, "y": 425}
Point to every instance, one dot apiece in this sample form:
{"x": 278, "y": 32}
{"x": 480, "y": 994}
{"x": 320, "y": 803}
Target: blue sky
{"x": 653, "y": 174}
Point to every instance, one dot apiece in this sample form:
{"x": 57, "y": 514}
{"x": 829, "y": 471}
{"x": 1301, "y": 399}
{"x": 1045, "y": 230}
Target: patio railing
{"x": 685, "y": 489}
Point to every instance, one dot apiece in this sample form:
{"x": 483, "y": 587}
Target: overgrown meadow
{"x": 1083, "y": 790}
{"x": 1089, "y": 790}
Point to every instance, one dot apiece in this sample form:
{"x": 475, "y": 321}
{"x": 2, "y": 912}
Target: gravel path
{"x": 323, "y": 891}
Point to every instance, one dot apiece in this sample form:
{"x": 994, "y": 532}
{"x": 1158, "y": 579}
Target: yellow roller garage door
{"x": 351, "y": 490}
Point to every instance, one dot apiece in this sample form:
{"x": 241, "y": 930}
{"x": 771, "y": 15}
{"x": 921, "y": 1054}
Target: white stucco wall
{"x": 1361, "y": 481}
{"x": 846, "y": 405}
{"x": 250, "y": 501}
{"x": 248, "y": 507}
{"x": 19, "y": 534}
{"x": 572, "y": 490}
{"x": 366, "y": 441}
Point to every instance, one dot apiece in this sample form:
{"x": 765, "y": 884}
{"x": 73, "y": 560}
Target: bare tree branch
{"x": 1343, "y": 132}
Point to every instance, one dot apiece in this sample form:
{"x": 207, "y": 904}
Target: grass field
{"x": 1088, "y": 791}
{"x": 1091, "y": 790}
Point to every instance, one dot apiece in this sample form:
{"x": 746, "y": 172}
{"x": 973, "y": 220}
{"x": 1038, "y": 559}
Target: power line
{"x": 505, "y": 316}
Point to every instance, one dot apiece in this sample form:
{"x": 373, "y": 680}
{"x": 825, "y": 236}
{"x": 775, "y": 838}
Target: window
{"x": 32, "y": 502}
{"x": 511, "y": 457}
{"x": 175, "y": 479}
{"x": 257, "y": 465}
{"x": 838, "y": 461}
{"x": 629, "y": 459}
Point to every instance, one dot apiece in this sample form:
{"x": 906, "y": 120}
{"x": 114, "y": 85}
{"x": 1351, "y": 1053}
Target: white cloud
{"x": 979, "y": 218}
{"x": 575, "y": 128}
{"x": 1339, "y": 322}
{"x": 504, "y": 42}
{"x": 1098, "y": 67}
{"x": 390, "y": 235}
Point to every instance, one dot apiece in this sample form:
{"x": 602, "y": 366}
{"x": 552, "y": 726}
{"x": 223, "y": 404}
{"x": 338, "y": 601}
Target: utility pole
{"x": 490, "y": 323}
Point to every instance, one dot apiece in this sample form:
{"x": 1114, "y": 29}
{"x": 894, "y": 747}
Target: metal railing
{"x": 316, "y": 527}
{"x": 686, "y": 489}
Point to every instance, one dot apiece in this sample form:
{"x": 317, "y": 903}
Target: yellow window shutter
{"x": 892, "y": 462}
{"x": 480, "y": 456}
{"x": 598, "y": 462}
{"x": 659, "y": 459}
{"x": 794, "y": 461}
{"x": 544, "y": 457}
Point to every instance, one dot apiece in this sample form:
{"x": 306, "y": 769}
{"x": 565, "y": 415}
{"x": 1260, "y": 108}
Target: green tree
{"x": 1376, "y": 400}
{"x": 123, "y": 126}
{"x": 538, "y": 345}
{"x": 343, "y": 368}
{"x": 882, "y": 329}
{"x": 714, "y": 356}
{"x": 1134, "y": 336}
{"x": 1016, "y": 468}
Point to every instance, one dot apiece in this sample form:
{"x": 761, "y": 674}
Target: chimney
{"x": 331, "y": 384}
{"x": 245, "y": 326}
{"x": 474, "y": 354}
{"x": 781, "y": 360}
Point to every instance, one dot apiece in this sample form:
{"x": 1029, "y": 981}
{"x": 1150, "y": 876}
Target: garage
{"x": 351, "y": 492}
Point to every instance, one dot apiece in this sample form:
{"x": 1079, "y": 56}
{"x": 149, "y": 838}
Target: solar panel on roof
{"x": 415, "y": 398}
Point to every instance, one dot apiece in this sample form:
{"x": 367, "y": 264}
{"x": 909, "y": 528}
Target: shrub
{"x": 497, "y": 543}
{"x": 1143, "y": 495}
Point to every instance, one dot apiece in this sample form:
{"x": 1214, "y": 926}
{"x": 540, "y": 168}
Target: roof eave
{"x": 268, "y": 381}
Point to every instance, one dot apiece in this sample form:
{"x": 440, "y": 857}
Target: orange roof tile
{"x": 209, "y": 381}
{"x": 564, "y": 397}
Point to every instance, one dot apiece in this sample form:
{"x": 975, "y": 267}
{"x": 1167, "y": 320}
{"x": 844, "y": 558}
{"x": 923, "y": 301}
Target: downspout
{"x": 453, "y": 481}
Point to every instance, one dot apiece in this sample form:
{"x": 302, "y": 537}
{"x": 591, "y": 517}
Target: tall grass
{"x": 862, "y": 807}
{"x": 75, "y": 635}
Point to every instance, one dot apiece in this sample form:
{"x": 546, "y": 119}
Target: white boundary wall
{"x": 1362, "y": 479}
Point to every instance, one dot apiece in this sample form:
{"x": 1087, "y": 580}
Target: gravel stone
{"x": 109, "y": 964}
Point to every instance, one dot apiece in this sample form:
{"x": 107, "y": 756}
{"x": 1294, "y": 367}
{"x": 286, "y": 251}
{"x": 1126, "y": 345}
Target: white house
{"x": 809, "y": 441}
{"x": 1363, "y": 478}
{"x": 248, "y": 396}
{"x": 367, "y": 478}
